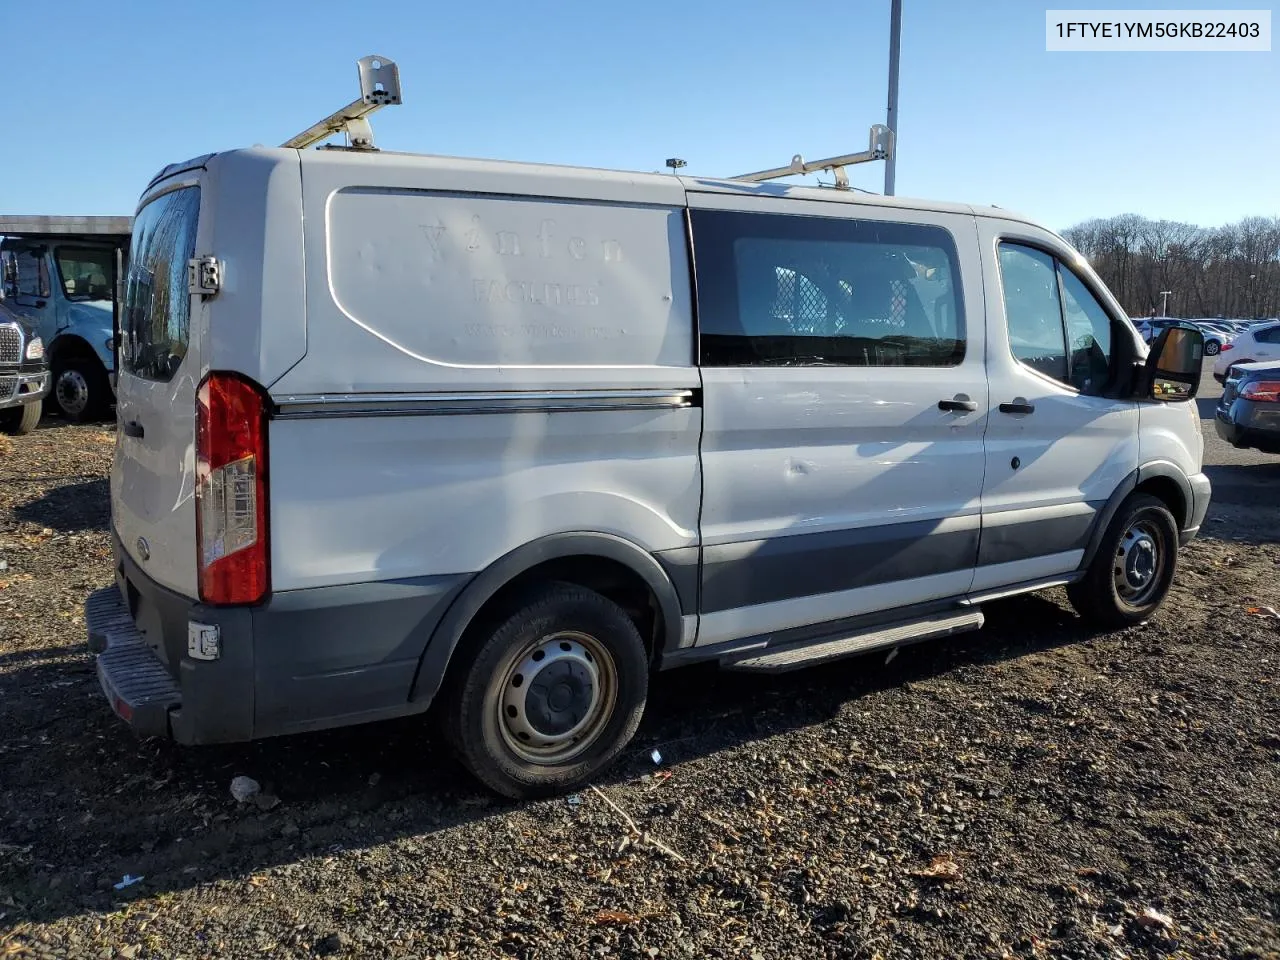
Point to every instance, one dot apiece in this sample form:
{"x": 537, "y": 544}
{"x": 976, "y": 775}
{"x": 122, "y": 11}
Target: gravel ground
{"x": 1031, "y": 790}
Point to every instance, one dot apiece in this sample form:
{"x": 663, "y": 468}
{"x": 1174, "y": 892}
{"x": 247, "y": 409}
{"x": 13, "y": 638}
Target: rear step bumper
{"x": 138, "y": 687}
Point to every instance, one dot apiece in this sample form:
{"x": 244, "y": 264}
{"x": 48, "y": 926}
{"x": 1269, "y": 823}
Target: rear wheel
{"x": 81, "y": 390}
{"x": 1212, "y": 348}
{"x": 547, "y": 697}
{"x": 20, "y": 420}
{"x": 1133, "y": 568}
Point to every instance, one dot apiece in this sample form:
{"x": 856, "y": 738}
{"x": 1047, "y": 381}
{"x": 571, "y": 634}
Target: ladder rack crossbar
{"x": 880, "y": 148}
{"x": 379, "y": 87}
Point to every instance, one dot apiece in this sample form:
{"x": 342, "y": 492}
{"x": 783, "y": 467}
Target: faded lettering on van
{"x": 507, "y": 243}
{"x": 536, "y": 331}
{"x": 536, "y": 293}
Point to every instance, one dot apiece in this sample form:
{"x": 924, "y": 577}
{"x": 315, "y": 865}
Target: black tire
{"x": 81, "y": 390}
{"x": 1212, "y": 348}
{"x": 480, "y": 715}
{"x": 20, "y": 420}
{"x": 1113, "y": 594}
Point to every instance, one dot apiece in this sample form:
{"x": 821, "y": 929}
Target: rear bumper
{"x": 1249, "y": 424}
{"x": 304, "y": 660}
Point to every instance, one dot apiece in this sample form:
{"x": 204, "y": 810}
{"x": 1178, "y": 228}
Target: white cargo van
{"x": 502, "y": 439}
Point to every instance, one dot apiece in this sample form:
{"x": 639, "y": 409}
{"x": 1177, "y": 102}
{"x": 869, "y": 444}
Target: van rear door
{"x": 153, "y": 479}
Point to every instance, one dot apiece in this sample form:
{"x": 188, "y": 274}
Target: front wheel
{"x": 1133, "y": 568}
{"x": 1212, "y": 348}
{"x": 547, "y": 698}
{"x": 81, "y": 390}
{"x": 20, "y": 420}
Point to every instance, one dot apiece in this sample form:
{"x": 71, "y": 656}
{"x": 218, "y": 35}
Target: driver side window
{"x": 1056, "y": 326}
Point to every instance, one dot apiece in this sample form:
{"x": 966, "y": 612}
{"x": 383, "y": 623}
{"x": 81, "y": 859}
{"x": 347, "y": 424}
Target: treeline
{"x": 1231, "y": 271}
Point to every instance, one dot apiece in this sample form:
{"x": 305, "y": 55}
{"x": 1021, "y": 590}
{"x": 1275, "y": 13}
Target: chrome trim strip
{"x": 316, "y": 406}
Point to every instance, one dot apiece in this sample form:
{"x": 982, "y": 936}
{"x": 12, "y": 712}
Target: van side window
{"x": 1056, "y": 326}
{"x": 33, "y": 274}
{"x": 782, "y": 290}
{"x": 1268, "y": 335}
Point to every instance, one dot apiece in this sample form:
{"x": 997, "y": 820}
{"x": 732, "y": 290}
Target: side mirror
{"x": 1173, "y": 367}
{"x": 9, "y": 275}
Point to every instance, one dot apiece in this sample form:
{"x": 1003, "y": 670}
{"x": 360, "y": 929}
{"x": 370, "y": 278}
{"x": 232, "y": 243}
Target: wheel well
{"x": 1167, "y": 490}
{"x": 69, "y": 347}
{"x": 609, "y": 578}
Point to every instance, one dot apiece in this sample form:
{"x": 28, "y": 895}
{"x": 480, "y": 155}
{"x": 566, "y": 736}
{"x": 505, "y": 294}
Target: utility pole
{"x": 891, "y": 115}
{"x": 1164, "y": 302}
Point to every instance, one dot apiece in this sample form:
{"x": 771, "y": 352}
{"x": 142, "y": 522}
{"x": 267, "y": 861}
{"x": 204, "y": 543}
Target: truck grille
{"x": 7, "y": 386}
{"x": 10, "y": 344}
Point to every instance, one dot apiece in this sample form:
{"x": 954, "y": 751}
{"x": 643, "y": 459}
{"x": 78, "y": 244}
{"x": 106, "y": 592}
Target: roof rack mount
{"x": 379, "y": 87}
{"x": 879, "y": 148}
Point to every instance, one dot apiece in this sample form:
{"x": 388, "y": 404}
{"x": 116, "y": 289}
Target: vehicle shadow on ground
{"x": 86, "y": 803}
{"x": 70, "y": 508}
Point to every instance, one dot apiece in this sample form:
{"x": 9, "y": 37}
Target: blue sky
{"x": 100, "y": 97}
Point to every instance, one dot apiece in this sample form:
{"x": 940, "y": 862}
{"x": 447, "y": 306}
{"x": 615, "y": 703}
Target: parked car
{"x": 65, "y": 286}
{"x": 1215, "y": 336}
{"x": 24, "y": 378}
{"x": 453, "y": 436}
{"x": 1248, "y": 413}
{"x": 1259, "y": 342}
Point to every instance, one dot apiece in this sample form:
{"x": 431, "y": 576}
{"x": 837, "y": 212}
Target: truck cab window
{"x": 85, "y": 272}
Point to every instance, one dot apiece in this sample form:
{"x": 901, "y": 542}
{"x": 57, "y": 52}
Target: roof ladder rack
{"x": 379, "y": 87}
{"x": 879, "y": 148}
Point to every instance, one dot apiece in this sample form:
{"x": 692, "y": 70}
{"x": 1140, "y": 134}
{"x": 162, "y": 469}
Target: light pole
{"x": 1164, "y": 302}
{"x": 891, "y": 114}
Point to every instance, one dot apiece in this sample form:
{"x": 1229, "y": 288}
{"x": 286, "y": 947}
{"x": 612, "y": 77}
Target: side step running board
{"x": 797, "y": 655}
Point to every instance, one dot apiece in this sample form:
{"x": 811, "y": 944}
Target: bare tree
{"x": 1231, "y": 271}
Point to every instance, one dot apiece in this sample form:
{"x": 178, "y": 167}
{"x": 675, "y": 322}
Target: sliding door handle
{"x": 1018, "y": 406}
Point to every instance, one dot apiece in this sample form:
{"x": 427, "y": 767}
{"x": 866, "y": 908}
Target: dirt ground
{"x": 1030, "y": 790}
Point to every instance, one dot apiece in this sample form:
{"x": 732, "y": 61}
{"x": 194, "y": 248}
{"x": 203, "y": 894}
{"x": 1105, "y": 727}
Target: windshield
{"x": 157, "y": 313}
{"x": 86, "y": 272}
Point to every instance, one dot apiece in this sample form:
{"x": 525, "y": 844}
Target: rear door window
{"x": 157, "y": 314}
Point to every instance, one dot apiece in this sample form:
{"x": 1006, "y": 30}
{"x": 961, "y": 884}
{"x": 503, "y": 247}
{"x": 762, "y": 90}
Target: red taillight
{"x": 1262, "y": 391}
{"x": 231, "y": 490}
{"x": 1225, "y": 347}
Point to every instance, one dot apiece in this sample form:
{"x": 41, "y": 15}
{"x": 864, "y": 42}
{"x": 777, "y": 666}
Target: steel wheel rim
{"x": 72, "y": 391}
{"x": 1139, "y": 563}
{"x": 556, "y": 697}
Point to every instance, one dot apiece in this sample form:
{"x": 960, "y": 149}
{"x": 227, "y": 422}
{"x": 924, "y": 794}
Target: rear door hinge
{"x": 204, "y": 276}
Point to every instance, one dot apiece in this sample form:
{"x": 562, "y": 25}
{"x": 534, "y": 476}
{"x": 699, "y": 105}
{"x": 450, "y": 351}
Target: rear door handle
{"x": 958, "y": 405}
{"x": 1020, "y": 406}
{"x": 133, "y": 429}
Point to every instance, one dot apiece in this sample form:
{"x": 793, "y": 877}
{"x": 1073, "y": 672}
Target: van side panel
{"x": 358, "y": 499}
